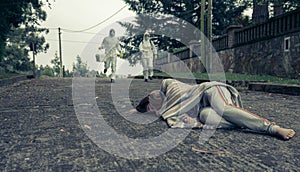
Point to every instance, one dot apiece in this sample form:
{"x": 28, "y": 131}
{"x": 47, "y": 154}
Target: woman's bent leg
{"x": 210, "y": 117}
{"x": 220, "y": 100}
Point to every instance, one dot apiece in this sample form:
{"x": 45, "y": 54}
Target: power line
{"x": 71, "y": 41}
{"x": 55, "y": 28}
{"x": 91, "y": 33}
{"x": 68, "y": 30}
{"x": 52, "y": 28}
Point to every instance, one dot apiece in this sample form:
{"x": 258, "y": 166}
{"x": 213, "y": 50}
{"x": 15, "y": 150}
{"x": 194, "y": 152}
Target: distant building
{"x": 260, "y": 11}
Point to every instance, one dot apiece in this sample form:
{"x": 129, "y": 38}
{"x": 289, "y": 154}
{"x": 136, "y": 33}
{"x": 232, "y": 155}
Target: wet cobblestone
{"x": 40, "y": 131}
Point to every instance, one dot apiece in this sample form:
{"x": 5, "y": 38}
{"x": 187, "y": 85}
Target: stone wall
{"x": 268, "y": 57}
{"x": 270, "y": 48}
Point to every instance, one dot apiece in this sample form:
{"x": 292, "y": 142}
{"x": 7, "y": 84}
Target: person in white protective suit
{"x": 148, "y": 51}
{"x": 112, "y": 46}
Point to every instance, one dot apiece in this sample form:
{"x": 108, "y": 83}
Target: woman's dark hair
{"x": 142, "y": 106}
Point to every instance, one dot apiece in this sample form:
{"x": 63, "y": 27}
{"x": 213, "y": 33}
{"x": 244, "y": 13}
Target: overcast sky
{"x": 78, "y": 15}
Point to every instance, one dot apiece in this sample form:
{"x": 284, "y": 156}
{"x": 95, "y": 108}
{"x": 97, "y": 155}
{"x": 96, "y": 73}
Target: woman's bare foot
{"x": 189, "y": 120}
{"x": 285, "y": 133}
{"x": 193, "y": 121}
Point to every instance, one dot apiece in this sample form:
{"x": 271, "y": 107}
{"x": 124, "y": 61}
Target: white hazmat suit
{"x": 148, "y": 50}
{"x": 111, "y": 45}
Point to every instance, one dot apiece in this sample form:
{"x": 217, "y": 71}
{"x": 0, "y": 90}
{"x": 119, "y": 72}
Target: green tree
{"x": 16, "y": 13}
{"x": 16, "y": 59}
{"x": 17, "y": 34}
{"x": 68, "y": 73}
{"x": 281, "y": 6}
{"x": 17, "y": 52}
{"x": 80, "y": 68}
{"x": 262, "y": 9}
{"x": 48, "y": 71}
{"x": 41, "y": 68}
{"x": 56, "y": 64}
{"x": 224, "y": 12}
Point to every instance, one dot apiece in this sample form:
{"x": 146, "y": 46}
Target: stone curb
{"x": 275, "y": 88}
{"x": 198, "y": 81}
{"x": 11, "y": 80}
{"x": 251, "y": 85}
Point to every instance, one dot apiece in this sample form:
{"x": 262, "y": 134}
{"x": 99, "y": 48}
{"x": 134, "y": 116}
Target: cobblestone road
{"x": 41, "y": 132}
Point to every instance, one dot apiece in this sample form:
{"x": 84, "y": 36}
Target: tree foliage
{"x": 19, "y": 24}
{"x": 282, "y": 6}
{"x": 47, "y": 70}
{"x": 224, "y": 12}
{"x": 80, "y": 68}
{"x": 16, "y": 59}
{"x": 264, "y": 9}
{"x": 287, "y": 5}
{"x": 56, "y": 65}
{"x": 227, "y": 13}
{"x": 188, "y": 13}
{"x": 17, "y": 49}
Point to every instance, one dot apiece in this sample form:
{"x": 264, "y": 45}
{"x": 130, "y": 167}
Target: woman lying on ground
{"x": 208, "y": 105}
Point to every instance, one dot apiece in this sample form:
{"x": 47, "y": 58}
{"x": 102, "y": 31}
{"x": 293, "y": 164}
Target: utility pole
{"x": 202, "y": 37}
{"x": 209, "y": 36}
{"x": 32, "y": 47}
{"x": 60, "y": 54}
{"x": 33, "y": 56}
{"x": 206, "y": 49}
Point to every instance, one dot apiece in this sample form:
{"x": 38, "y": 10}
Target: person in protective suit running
{"x": 111, "y": 45}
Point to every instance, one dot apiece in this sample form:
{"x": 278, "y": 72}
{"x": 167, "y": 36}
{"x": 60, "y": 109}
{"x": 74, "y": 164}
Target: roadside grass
{"x": 8, "y": 75}
{"x": 233, "y": 77}
{"x": 205, "y": 76}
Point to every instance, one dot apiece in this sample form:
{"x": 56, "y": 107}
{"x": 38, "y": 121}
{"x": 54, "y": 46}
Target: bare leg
{"x": 220, "y": 102}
